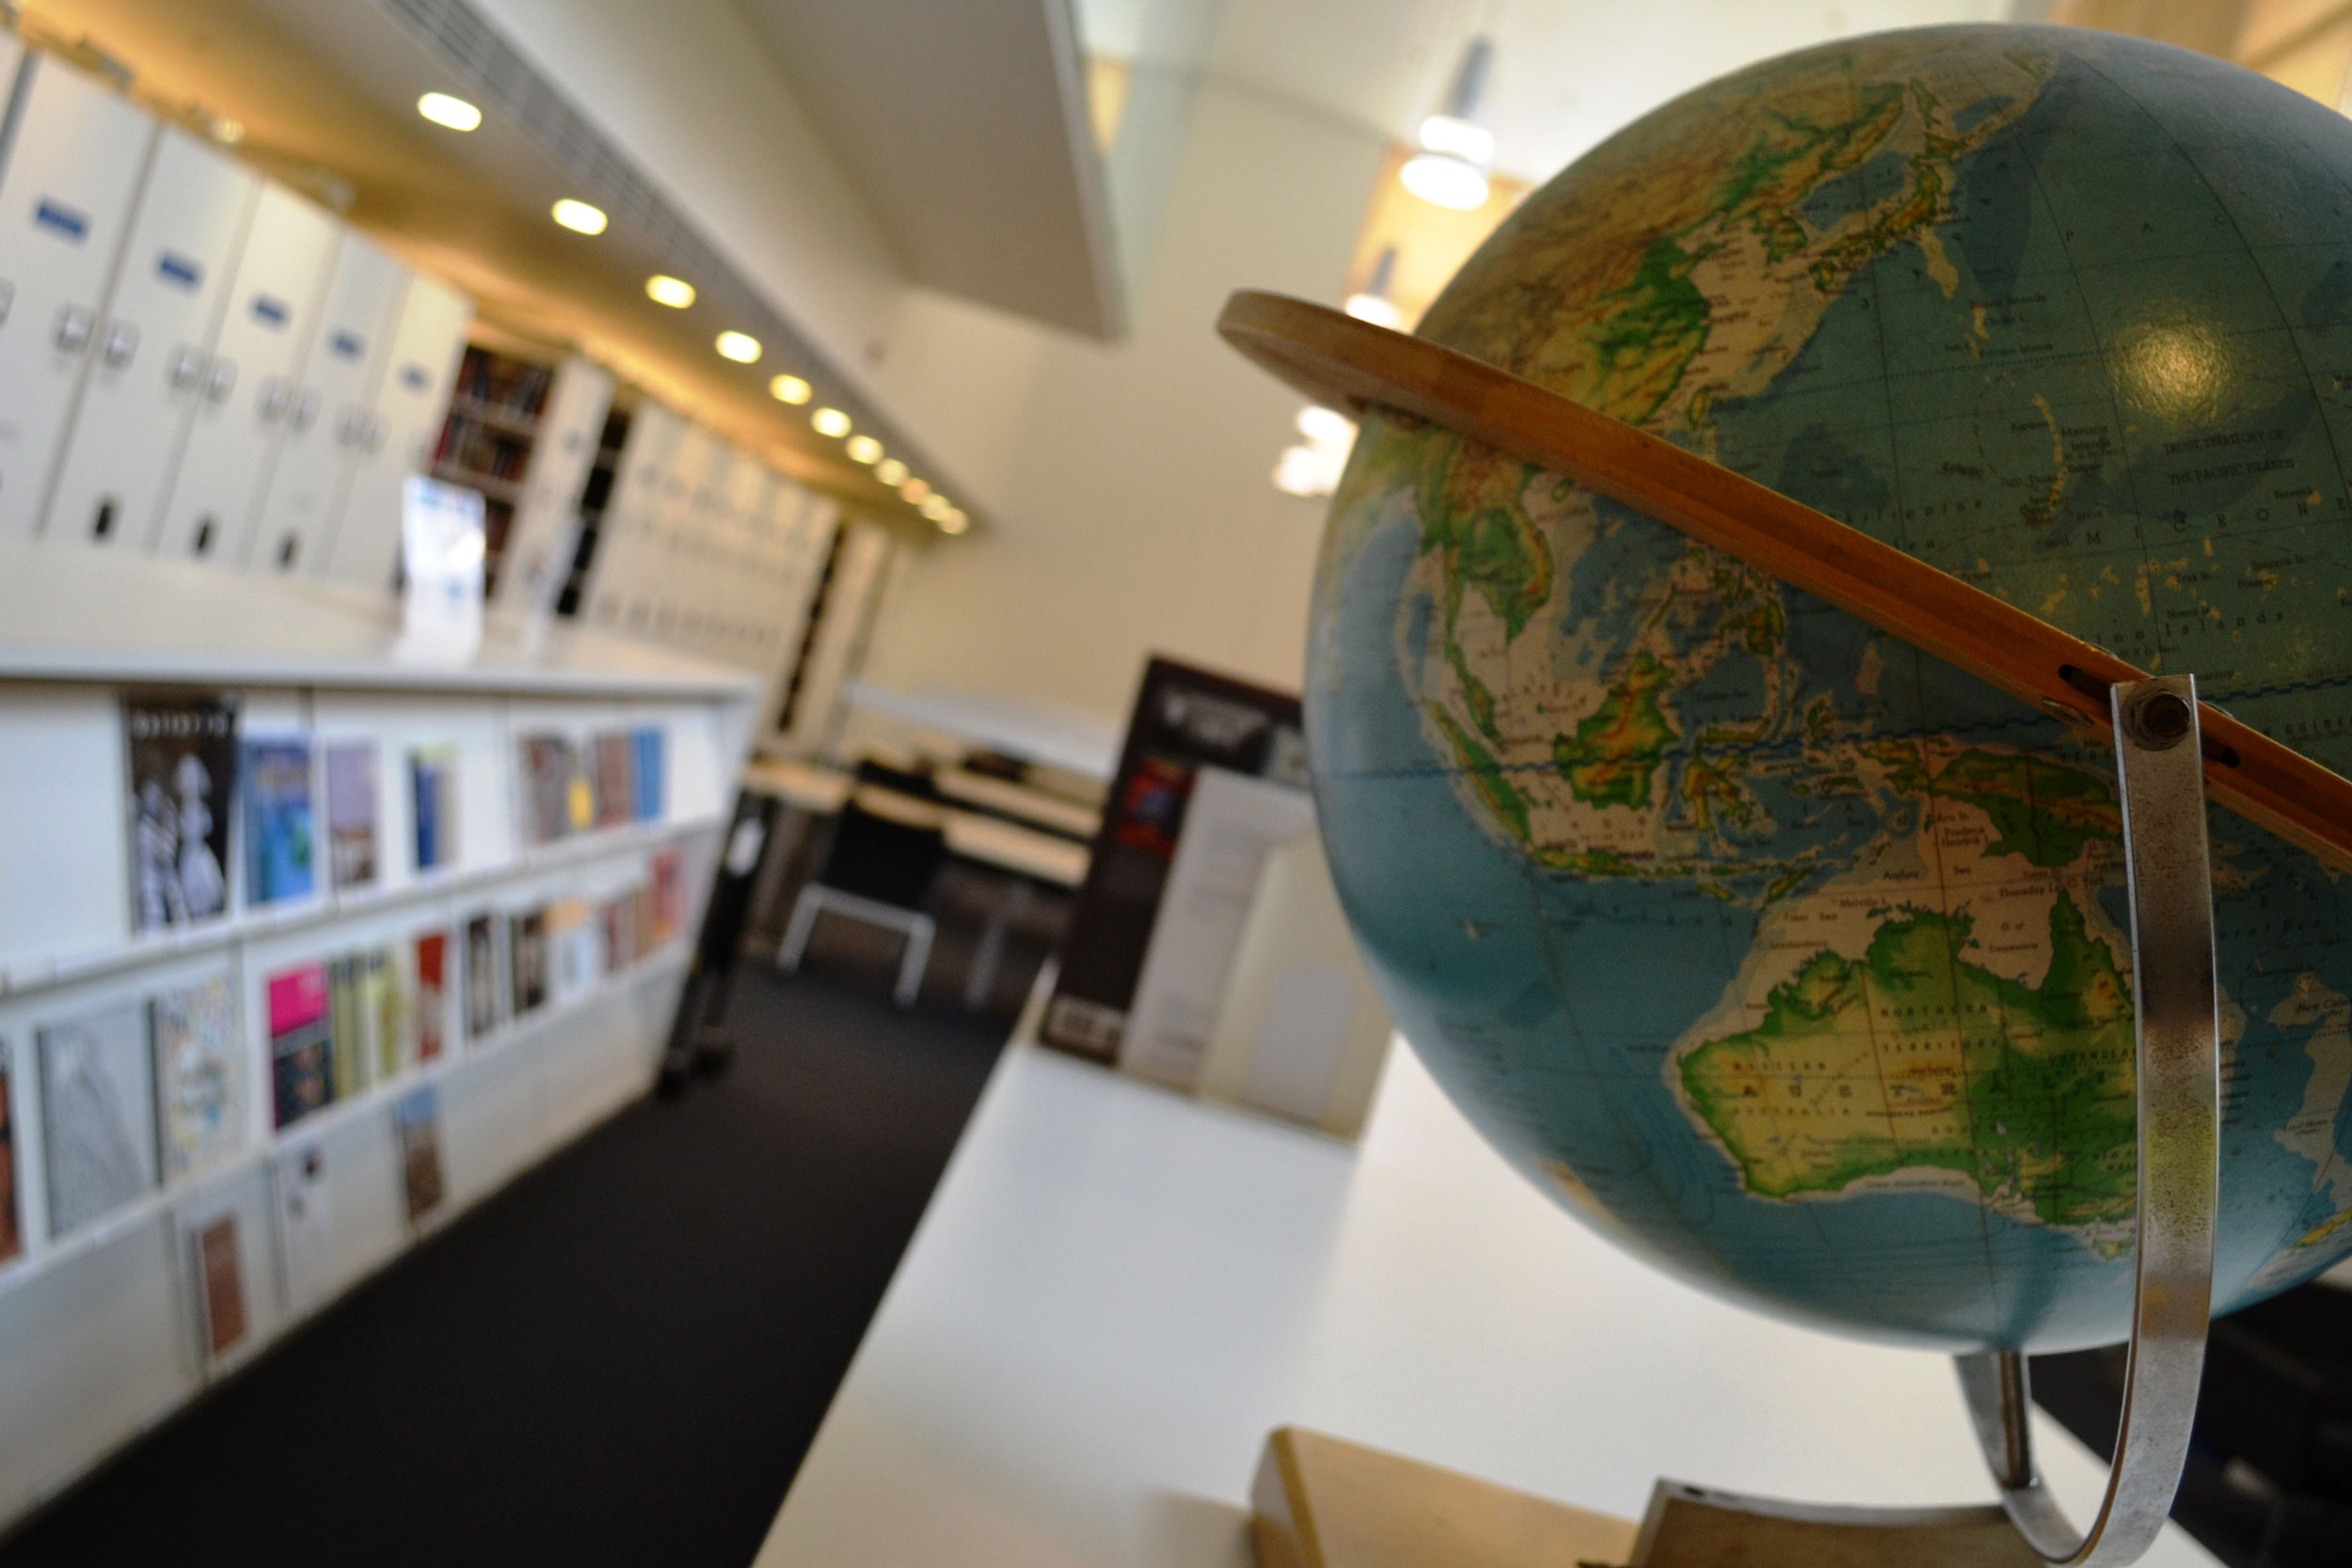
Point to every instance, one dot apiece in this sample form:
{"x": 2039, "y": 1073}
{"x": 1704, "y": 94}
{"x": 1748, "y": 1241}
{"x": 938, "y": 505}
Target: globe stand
{"x": 1322, "y": 1503}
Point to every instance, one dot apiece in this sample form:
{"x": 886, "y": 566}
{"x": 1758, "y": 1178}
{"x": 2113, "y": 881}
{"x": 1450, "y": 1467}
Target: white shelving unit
{"x": 99, "y": 1329}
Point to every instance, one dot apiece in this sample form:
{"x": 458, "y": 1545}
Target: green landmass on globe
{"x": 1792, "y": 956}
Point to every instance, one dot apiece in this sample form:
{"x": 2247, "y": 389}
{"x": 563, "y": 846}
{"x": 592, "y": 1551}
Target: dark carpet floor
{"x": 619, "y": 1359}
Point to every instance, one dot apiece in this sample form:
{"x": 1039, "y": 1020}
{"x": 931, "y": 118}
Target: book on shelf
{"x": 200, "y": 1092}
{"x": 527, "y": 950}
{"x": 615, "y": 755}
{"x": 11, "y": 1229}
{"x": 346, "y": 1025}
{"x": 642, "y": 918}
{"x": 575, "y": 943}
{"x": 219, "y": 1287}
{"x": 98, "y": 1113}
{"x": 550, "y": 766}
{"x": 278, "y": 825}
{"x": 302, "y": 1066}
{"x": 306, "y": 1223}
{"x": 432, "y": 995}
{"x": 433, "y": 783}
{"x": 485, "y": 978}
{"x": 387, "y": 1015}
{"x": 669, "y": 895}
{"x": 617, "y": 917}
{"x": 648, "y": 742}
{"x": 351, "y": 814}
{"x": 418, "y": 1120}
{"x": 182, "y": 778}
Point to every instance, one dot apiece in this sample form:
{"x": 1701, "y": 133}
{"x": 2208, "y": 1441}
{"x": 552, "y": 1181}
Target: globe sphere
{"x": 1790, "y": 957}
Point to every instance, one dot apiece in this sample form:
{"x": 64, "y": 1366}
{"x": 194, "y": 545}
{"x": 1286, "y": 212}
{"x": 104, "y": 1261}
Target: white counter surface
{"x": 1118, "y": 1291}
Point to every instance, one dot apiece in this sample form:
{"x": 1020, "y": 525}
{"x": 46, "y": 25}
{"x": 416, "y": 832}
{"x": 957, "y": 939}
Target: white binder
{"x": 395, "y": 442}
{"x": 249, "y": 387}
{"x": 74, "y": 160}
{"x": 154, "y": 341}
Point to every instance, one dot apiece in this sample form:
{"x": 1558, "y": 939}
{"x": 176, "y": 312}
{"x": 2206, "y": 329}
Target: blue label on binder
{"x": 64, "y": 219}
{"x": 349, "y": 344}
{"x": 273, "y": 311}
{"x": 180, "y": 270}
{"x": 414, "y": 377}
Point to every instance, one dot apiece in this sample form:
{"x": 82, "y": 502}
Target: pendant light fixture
{"x": 1456, "y": 150}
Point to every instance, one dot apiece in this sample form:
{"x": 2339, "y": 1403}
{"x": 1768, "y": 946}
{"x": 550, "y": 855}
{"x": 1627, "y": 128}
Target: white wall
{"x": 1138, "y": 514}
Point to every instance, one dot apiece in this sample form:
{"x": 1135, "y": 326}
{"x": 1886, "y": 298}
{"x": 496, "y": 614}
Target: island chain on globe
{"x": 1791, "y": 958}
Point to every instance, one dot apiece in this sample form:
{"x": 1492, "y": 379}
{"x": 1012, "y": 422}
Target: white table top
{"x": 1116, "y": 1291}
{"x": 1031, "y": 806}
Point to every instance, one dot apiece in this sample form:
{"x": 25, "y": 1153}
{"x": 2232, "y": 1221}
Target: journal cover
{"x": 306, "y": 1223}
{"x": 616, "y": 779}
{"x": 183, "y": 773}
{"x": 302, "y": 1069}
{"x": 199, "y": 1075}
{"x": 384, "y": 1004}
{"x": 277, "y": 819}
{"x": 220, "y": 1286}
{"x": 486, "y": 978}
{"x": 432, "y": 995}
{"x": 351, "y": 813}
{"x": 433, "y": 783}
{"x": 11, "y": 1230}
{"x": 98, "y": 1113}
{"x": 650, "y": 780}
{"x": 417, "y": 1119}
{"x": 526, "y": 946}
{"x": 619, "y": 916}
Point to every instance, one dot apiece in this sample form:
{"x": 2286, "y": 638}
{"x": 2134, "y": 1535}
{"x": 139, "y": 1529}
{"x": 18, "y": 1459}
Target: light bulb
{"x": 580, "y": 217}
{"x": 1465, "y": 140}
{"x": 454, "y": 113}
{"x": 789, "y": 388}
{"x": 1299, "y": 472}
{"x": 741, "y": 347}
{"x": 675, "y": 292}
{"x": 953, "y": 521}
{"x": 864, "y": 449}
{"x": 935, "y": 506}
{"x": 915, "y": 490}
{"x": 1443, "y": 180}
{"x": 1323, "y": 426}
{"x": 891, "y": 472}
{"x": 830, "y": 421}
{"x": 1373, "y": 308}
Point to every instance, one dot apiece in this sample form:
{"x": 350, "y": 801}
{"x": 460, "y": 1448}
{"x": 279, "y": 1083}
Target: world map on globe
{"x": 1790, "y": 957}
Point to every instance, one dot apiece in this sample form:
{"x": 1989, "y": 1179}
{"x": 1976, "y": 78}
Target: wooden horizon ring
{"x": 1345, "y": 363}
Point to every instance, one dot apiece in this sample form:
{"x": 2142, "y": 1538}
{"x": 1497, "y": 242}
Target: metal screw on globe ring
{"x": 2179, "y": 1079}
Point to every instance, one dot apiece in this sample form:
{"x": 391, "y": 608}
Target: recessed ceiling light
{"x": 830, "y": 421}
{"x": 455, "y": 113}
{"x": 953, "y": 521}
{"x": 892, "y": 473}
{"x": 788, "y": 388}
{"x": 675, "y": 292}
{"x": 741, "y": 347}
{"x": 864, "y": 449}
{"x": 935, "y": 506}
{"x": 580, "y": 217}
{"x": 914, "y": 489}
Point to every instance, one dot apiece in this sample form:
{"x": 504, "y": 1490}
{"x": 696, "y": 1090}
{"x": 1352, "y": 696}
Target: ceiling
{"x": 963, "y": 123}
{"x": 1566, "y": 72}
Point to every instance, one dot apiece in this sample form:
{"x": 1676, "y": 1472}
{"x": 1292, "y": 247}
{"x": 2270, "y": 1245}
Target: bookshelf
{"x": 107, "y": 1321}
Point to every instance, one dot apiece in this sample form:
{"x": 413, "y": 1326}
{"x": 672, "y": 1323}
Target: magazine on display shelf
{"x": 182, "y": 776}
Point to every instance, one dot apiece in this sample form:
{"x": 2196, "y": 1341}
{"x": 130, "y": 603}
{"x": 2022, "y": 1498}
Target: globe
{"x": 1783, "y": 954}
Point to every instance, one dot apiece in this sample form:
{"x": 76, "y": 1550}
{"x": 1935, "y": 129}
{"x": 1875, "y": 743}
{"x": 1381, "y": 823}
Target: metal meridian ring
{"x": 2178, "y": 1074}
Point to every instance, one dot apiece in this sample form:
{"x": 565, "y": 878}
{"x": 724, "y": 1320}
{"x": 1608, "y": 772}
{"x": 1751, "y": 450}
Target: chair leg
{"x": 805, "y": 911}
{"x": 918, "y": 957}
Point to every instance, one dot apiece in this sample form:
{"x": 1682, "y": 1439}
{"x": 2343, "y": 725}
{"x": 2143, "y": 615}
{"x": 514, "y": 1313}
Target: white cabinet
{"x": 249, "y": 385}
{"x": 73, "y": 163}
{"x": 154, "y": 338}
{"x": 615, "y": 593}
{"x": 564, "y": 448}
{"x": 396, "y": 441}
{"x": 326, "y": 423}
